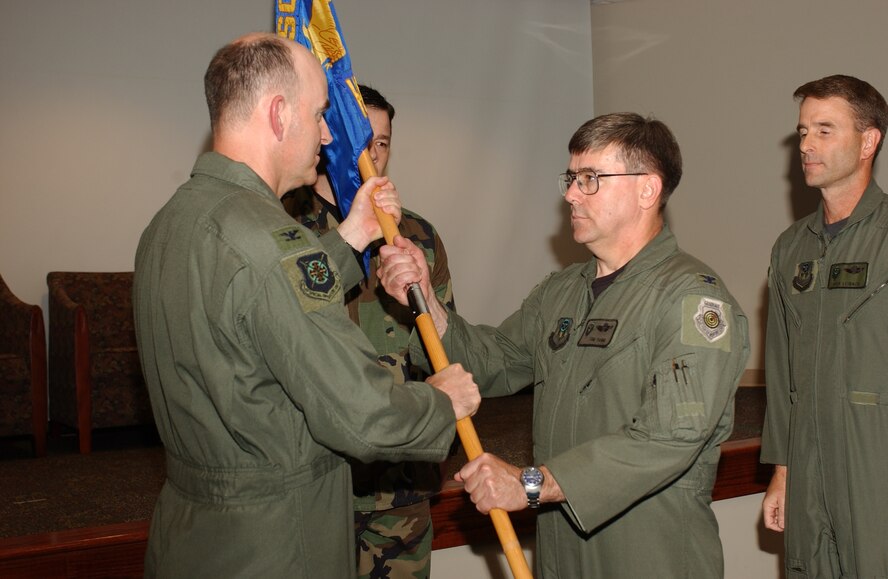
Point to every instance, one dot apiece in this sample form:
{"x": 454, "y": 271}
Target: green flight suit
{"x": 633, "y": 394}
{"x": 827, "y": 378}
{"x": 260, "y": 384}
{"x": 389, "y": 544}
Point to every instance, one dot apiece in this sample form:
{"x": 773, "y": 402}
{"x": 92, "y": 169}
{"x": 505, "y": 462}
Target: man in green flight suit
{"x": 393, "y": 519}
{"x": 259, "y": 382}
{"x": 826, "y": 425}
{"x": 634, "y": 357}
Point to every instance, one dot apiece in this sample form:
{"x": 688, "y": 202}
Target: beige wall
{"x": 721, "y": 74}
{"x": 102, "y": 116}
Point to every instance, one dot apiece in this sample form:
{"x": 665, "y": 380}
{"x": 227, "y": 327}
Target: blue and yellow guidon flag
{"x": 314, "y": 25}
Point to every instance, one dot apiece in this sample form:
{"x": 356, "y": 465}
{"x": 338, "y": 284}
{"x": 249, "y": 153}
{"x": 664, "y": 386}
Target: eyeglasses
{"x": 587, "y": 181}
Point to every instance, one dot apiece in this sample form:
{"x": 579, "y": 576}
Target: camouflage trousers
{"x": 395, "y": 543}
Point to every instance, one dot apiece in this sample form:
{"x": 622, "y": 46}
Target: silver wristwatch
{"x": 532, "y": 478}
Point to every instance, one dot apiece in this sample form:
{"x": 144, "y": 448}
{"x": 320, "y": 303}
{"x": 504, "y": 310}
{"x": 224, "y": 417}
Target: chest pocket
{"x": 606, "y": 401}
{"x": 863, "y": 343}
{"x": 614, "y": 366}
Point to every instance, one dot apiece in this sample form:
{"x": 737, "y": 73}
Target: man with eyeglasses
{"x": 634, "y": 357}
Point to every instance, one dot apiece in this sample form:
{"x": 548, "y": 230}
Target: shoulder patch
{"x": 314, "y": 282}
{"x": 290, "y": 238}
{"x": 704, "y": 322}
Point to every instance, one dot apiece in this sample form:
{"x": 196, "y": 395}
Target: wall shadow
{"x": 562, "y": 244}
{"x": 803, "y": 200}
{"x": 762, "y": 316}
{"x": 772, "y": 542}
{"x": 208, "y": 144}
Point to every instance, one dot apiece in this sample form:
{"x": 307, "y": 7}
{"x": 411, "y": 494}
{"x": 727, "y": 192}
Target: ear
{"x": 871, "y": 138}
{"x": 276, "y": 111}
{"x": 651, "y": 187}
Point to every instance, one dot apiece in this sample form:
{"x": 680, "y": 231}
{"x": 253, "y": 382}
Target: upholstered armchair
{"x": 95, "y": 379}
{"x": 22, "y": 370}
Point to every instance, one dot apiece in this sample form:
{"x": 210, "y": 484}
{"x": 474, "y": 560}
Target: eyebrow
{"x": 830, "y": 124}
{"x": 584, "y": 170}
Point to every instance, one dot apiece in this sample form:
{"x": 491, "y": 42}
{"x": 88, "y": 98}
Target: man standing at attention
{"x": 259, "y": 383}
{"x": 826, "y": 426}
{"x": 393, "y": 520}
{"x": 634, "y": 357}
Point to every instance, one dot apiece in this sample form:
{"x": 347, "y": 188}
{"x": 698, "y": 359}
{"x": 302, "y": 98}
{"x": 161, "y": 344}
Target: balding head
{"x": 267, "y": 97}
{"x": 247, "y": 68}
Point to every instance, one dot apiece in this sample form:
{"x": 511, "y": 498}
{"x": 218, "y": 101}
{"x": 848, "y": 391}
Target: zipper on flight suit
{"x": 861, "y": 304}
{"x": 824, "y": 241}
{"x": 824, "y": 246}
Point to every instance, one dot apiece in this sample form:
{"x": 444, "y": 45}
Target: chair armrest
{"x": 68, "y": 351}
{"x": 16, "y": 326}
{"x": 39, "y": 389}
{"x": 64, "y": 317}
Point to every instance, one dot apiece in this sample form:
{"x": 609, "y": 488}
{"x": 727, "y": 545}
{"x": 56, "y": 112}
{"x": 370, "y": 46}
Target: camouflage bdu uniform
{"x": 393, "y": 524}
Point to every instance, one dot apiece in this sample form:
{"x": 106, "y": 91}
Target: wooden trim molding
{"x": 752, "y": 377}
{"x": 108, "y": 551}
{"x": 118, "y": 550}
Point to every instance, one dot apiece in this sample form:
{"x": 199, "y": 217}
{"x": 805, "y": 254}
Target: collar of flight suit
{"x": 219, "y": 166}
{"x": 658, "y": 249}
{"x": 872, "y": 197}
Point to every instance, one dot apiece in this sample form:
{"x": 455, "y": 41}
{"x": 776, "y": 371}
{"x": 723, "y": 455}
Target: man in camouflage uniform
{"x": 393, "y": 524}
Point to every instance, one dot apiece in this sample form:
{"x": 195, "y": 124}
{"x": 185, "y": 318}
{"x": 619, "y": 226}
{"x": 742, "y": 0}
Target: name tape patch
{"x": 598, "y": 333}
{"x": 848, "y": 275}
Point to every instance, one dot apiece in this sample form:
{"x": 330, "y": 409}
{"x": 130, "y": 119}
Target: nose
{"x": 326, "y": 136}
{"x": 373, "y": 154}
{"x": 805, "y": 144}
{"x": 573, "y": 195}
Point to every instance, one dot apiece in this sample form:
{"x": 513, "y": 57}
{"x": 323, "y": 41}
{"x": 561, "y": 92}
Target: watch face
{"x": 532, "y": 477}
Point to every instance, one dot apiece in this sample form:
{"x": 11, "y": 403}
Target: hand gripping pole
{"x": 468, "y": 436}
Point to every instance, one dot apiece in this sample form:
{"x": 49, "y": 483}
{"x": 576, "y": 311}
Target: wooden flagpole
{"x": 468, "y": 436}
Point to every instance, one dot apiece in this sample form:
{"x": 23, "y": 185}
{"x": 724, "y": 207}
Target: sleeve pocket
{"x": 680, "y": 409}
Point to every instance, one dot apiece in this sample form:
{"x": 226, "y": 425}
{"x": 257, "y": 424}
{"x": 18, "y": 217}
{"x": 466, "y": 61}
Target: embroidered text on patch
{"x": 598, "y": 333}
{"x": 848, "y": 275}
{"x": 710, "y": 319}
